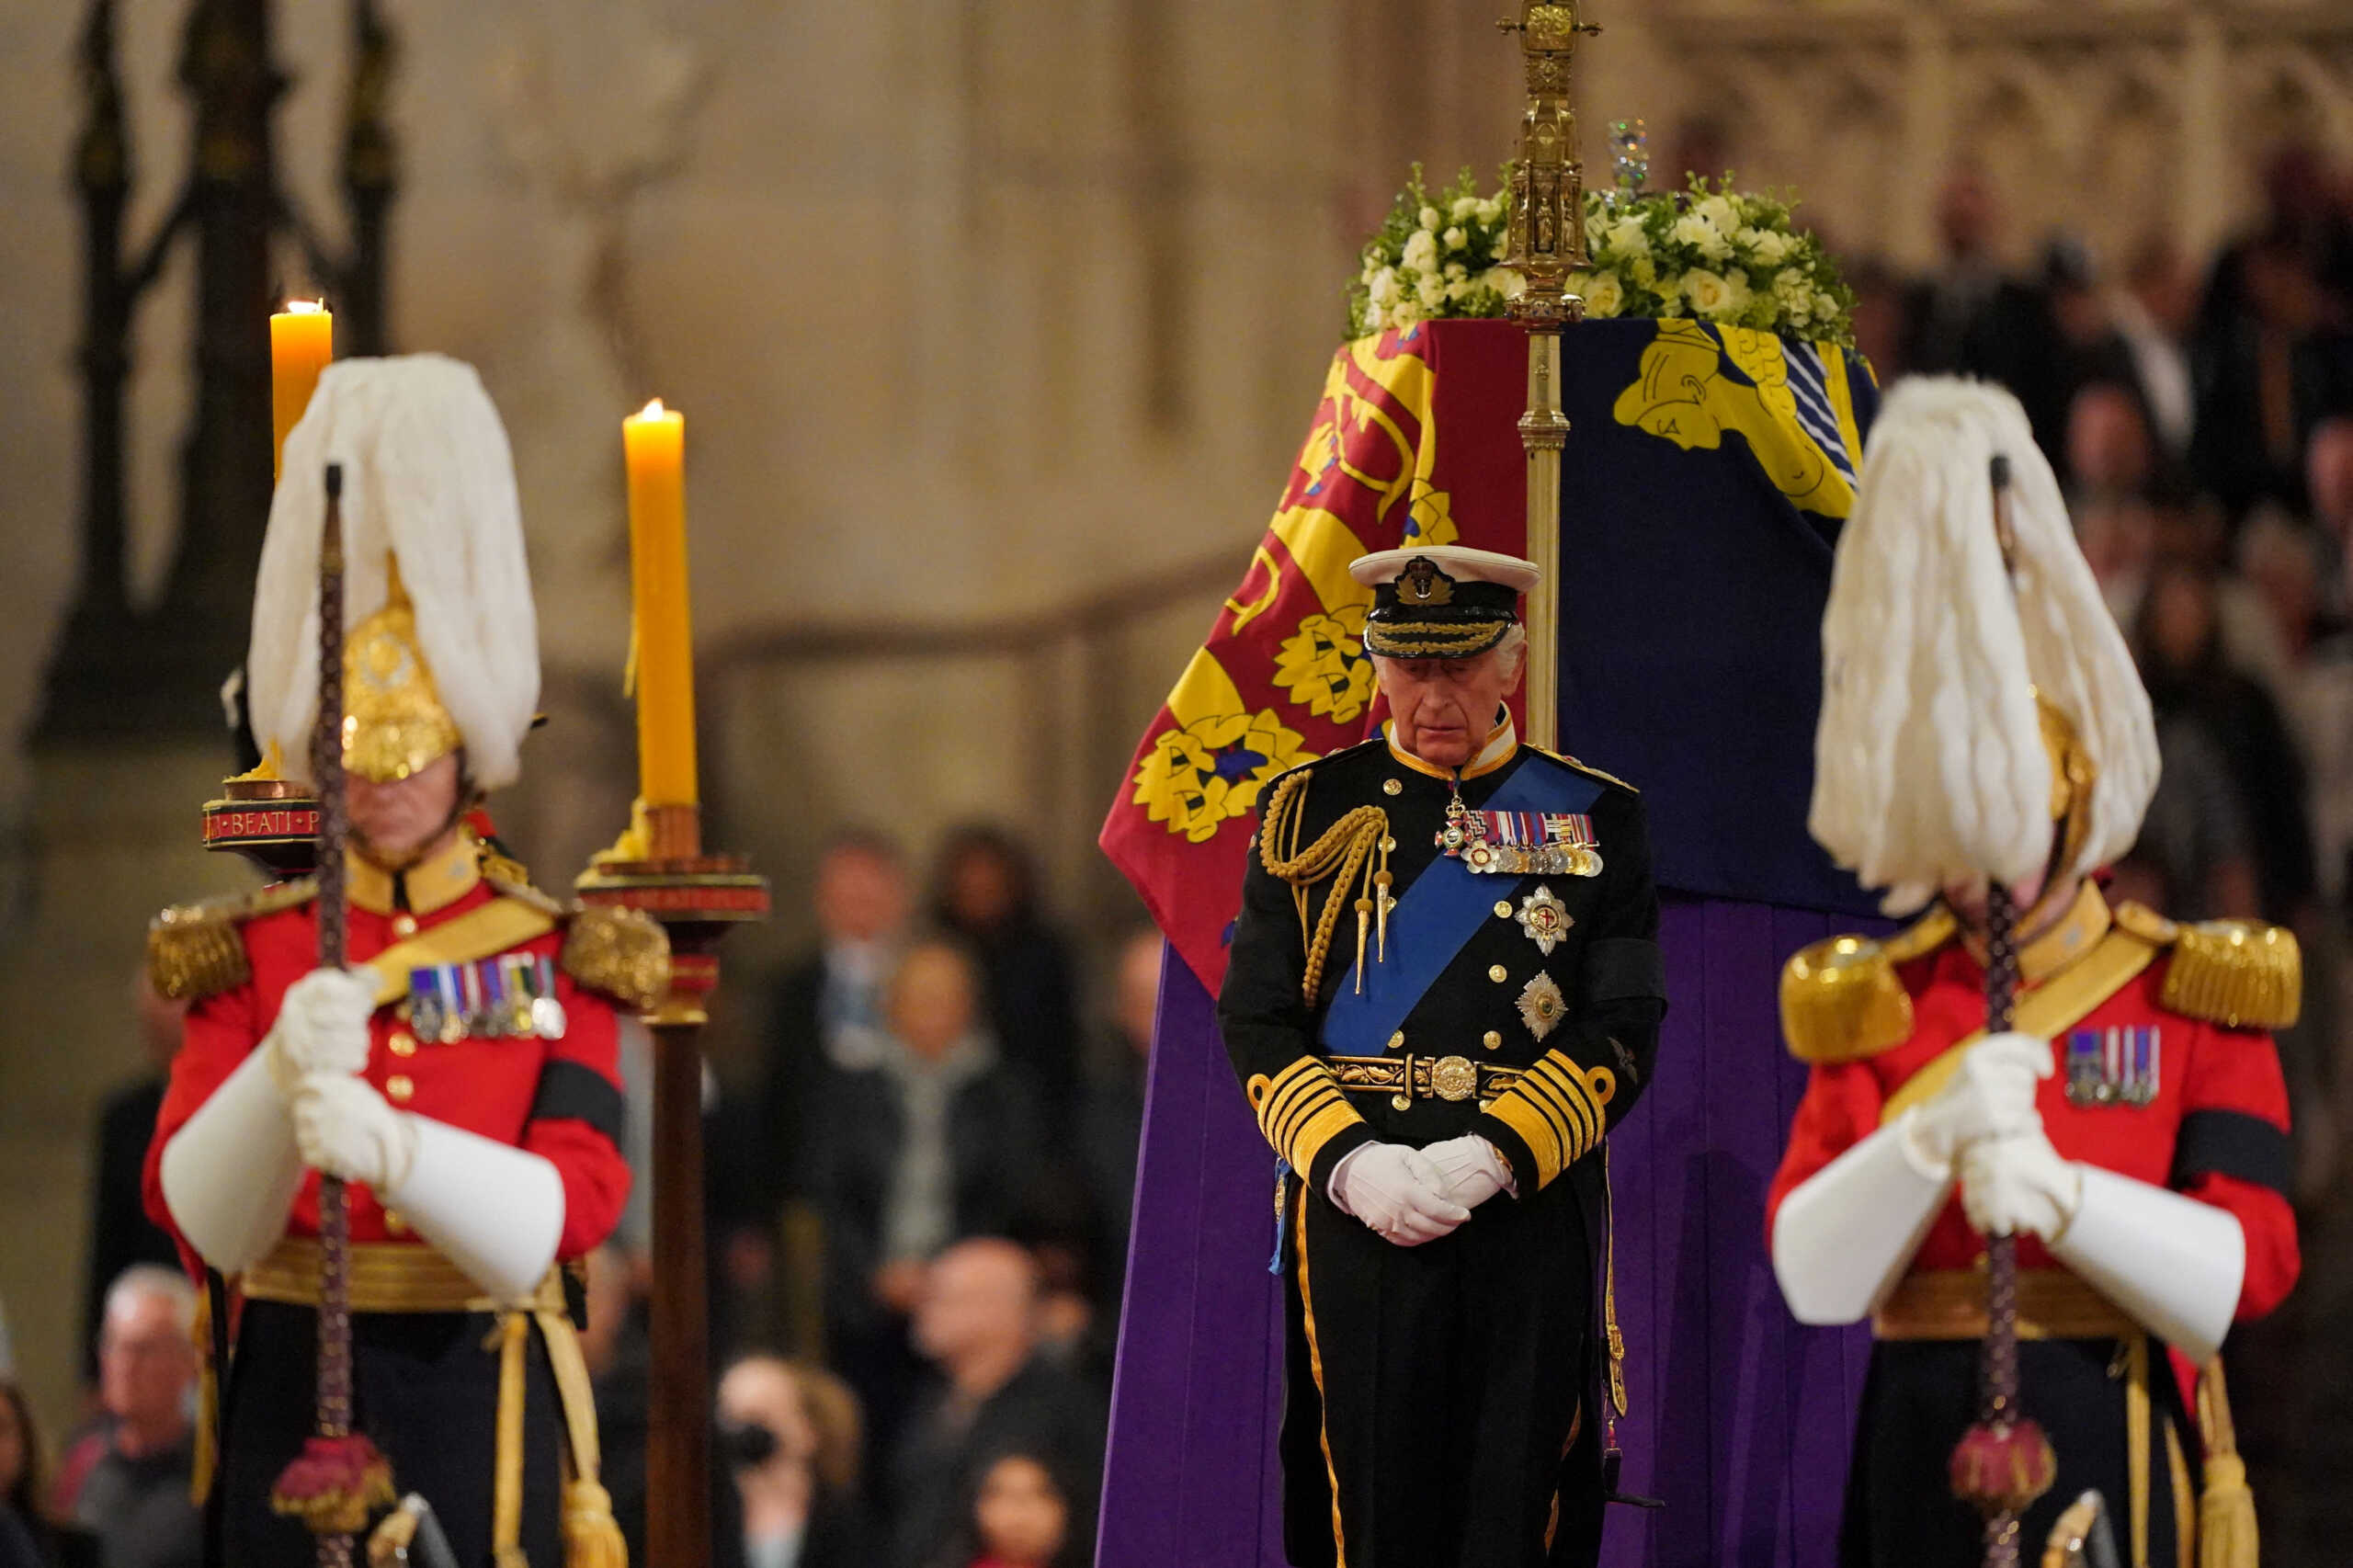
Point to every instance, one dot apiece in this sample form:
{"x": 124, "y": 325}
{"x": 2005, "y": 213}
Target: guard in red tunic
{"x": 1981, "y": 719}
{"x": 461, "y": 1074}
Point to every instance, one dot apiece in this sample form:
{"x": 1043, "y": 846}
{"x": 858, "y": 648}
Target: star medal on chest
{"x": 1544, "y": 918}
{"x": 437, "y": 1008}
{"x": 2113, "y": 1066}
{"x": 1519, "y": 844}
{"x": 1541, "y": 1005}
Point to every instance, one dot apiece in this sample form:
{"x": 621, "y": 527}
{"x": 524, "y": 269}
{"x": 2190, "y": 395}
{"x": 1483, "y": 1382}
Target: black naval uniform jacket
{"x": 1464, "y": 1057}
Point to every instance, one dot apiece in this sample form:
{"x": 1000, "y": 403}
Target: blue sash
{"x": 1435, "y": 917}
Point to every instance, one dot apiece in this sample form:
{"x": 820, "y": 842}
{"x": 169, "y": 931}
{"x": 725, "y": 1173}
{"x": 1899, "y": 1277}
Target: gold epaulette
{"x": 1841, "y": 1000}
{"x": 622, "y": 952}
{"x": 194, "y": 950}
{"x": 1585, "y": 768}
{"x": 2241, "y": 974}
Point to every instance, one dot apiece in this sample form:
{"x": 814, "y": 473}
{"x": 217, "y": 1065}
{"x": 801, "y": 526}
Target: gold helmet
{"x": 441, "y": 640}
{"x": 394, "y": 723}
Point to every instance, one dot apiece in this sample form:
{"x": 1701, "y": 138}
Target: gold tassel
{"x": 2226, "y": 1528}
{"x": 389, "y": 1542}
{"x": 207, "y": 1405}
{"x": 591, "y": 1538}
{"x": 1364, "y": 924}
{"x": 509, "y": 1340}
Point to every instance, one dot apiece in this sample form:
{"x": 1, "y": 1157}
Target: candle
{"x": 654, "y": 442}
{"x": 301, "y": 342}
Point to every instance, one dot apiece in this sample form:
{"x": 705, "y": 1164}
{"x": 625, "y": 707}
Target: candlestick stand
{"x": 698, "y": 898}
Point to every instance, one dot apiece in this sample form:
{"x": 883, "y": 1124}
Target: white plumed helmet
{"x": 432, "y": 528}
{"x": 1931, "y": 764}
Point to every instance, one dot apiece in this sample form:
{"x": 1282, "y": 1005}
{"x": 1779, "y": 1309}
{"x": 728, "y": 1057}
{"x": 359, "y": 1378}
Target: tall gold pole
{"x": 1547, "y": 242}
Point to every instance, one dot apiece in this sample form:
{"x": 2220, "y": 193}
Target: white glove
{"x": 2020, "y": 1184}
{"x": 1991, "y": 1096}
{"x": 1473, "y": 1171}
{"x": 342, "y": 1127}
{"x": 1397, "y": 1192}
{"x": 322, "y": 1026}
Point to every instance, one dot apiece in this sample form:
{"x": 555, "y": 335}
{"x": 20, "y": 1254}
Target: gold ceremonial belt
{"x": 1949, "y": 1303}
{"x": 1430, "y": 1077}
{"x": 386, "y": 1276}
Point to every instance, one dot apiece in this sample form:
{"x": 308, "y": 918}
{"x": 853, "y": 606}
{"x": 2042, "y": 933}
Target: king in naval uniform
{"x": 2131, "y": 1129}
{"x": 461, "y": 1073}
{"x": 1445, "y": 989}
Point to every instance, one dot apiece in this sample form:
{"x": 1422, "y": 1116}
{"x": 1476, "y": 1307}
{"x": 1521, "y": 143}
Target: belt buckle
{"x": 1453, "y": 1078}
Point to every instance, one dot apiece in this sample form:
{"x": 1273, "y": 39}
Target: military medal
{"x": 1544, "y": 918}
{"x": 514, "y": 981}
{"x": 1520, "y": 844}
{"x": 2113, "y": 1066}
{"x": 1541, "y": 1005}
{"x": 546, "y": 1012}
{"x": 430, "y": 1009}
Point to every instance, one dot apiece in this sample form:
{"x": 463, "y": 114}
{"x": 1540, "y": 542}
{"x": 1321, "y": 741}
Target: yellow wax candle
{"x": 654, "y": 442}
{"x": 301, "y": 342}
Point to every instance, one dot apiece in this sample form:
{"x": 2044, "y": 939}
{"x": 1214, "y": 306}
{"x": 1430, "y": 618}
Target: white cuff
{"x": 1847, "y": 1232}
{"x": 1332, "y": 1188}
{"x": 2171, "y": 1262}
{"x": 230, "y": 1174}
{"x": 495, "y": 1210}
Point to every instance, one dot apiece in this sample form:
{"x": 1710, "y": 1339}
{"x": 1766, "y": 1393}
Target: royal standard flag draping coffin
{"x": 1705, "y": 474}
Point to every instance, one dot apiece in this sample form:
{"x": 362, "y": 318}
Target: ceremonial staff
{"x": 2003, "y": 1462}
{"x": 340, "y": 1476}
{"x": 1546, "y": 241}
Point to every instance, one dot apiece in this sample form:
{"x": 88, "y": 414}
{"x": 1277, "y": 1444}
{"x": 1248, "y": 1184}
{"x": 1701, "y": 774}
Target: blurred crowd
{"x": 919, "y": 1193}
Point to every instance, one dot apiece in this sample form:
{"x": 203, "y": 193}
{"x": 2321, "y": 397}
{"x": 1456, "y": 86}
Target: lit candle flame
{"x": 305, "y": 307}
{"x": 652, "y": 411}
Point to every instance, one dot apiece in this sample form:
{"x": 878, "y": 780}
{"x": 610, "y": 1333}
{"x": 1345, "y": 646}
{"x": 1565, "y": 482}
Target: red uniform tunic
{"x": 559, "y": 1098}
{"x": 2216, "y": 1128}
{"x": 2208, "y": 1117}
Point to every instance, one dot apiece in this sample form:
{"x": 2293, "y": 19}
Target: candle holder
{"x": 660, "y": 870}
{"x": 273, "y": 822}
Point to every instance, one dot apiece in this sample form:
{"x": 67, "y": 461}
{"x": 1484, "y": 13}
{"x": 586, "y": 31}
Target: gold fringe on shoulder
{"x": 1587, "y": 767}
{"x": 1841, "y": 999}
{"x": 519, "y": 890}
{"x": 620, "y": 952}
{"x": 194, "y": 950}
{"x": 2239, "y": 972}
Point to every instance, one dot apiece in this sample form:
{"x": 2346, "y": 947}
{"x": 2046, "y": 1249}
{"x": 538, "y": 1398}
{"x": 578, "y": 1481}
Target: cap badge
{"x": 1423, "y": 583}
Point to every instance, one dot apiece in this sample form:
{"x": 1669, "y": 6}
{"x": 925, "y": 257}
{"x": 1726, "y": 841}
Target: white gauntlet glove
{"x": 1991, "y": 1096}
{"x": 321, "y": 1027}
{"x": 2018, "y": 1185}
{"x": 342, "y": 1127}
{"x": 1396, "y": 1191}
{"x": 1473, "y": 1171}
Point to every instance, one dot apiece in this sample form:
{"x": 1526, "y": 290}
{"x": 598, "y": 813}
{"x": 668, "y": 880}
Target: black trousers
{"x": 1920, "y": 1396}
{"x": 1438, "y": 1389}
{"x": 426, "y": 1389}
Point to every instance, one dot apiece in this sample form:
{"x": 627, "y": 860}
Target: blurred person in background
{"x": 29, "y": 1537}
{"x": 1879, "y": 317}
{"x": 937, "y": 1142}
{"x": 120, "y": 1232}
{"x": 984, "y": 891}
{"x": 2153, "y": 314}
{"x": 1968, "y": 317}
{"x": 793, "y": 1515}
{"x": 2189, "y": 680}
{"x": 1111, "y": 1117}
{"x": 1020, "y": 1516}
{"x": 828, "y": 1006}
{"x": 2328, "y": 485}
{"x": 128, "y": 1481}
{"x": 2108, "y": 452}
{"x": 2271, "y": 367}
{"x": 992, "y": 1392}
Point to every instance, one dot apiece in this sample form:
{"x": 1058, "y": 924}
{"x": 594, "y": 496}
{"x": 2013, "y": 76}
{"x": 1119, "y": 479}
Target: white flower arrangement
{"x": 1708, "y": 253}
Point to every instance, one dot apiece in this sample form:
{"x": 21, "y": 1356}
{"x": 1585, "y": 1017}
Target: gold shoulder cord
{"x": 1354, "y": 846}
